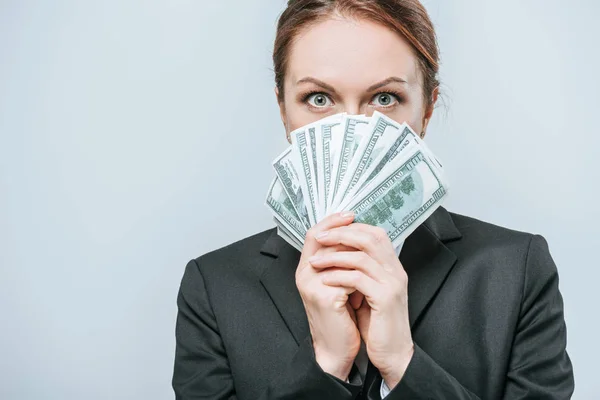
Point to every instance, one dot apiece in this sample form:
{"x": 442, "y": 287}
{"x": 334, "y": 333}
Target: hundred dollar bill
{"x": 302, "y": 157}
{"x": 403, "y": 142}
{"x": 314, "y": 135}
{"x": 354, "y": 130}
{"x": 402, "y": 200}
{"x": 283, "y": 210}
{"x": 290, "y": 180}
{"x": 288, "y": 236}
{"x": 329, "y": 133}
{"x": 382, "y": 133}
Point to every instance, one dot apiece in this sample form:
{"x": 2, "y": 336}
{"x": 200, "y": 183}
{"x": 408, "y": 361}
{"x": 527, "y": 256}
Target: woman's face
{"x": 352, "y": 66}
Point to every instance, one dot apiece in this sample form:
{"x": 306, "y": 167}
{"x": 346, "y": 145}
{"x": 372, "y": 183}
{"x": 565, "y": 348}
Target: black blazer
{"x": 485, "y": 311}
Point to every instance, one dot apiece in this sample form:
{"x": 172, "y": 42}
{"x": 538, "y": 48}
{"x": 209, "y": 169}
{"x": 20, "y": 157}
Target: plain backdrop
{"x": 137, "y": 135}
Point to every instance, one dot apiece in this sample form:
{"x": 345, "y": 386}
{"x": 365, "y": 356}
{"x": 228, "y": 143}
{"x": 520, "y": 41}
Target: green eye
{"x": 319, "y": 100}
{"x": 384, "y": 99}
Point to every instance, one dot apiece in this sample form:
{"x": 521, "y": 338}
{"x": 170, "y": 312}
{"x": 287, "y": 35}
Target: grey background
{"x": 136, "y": 135}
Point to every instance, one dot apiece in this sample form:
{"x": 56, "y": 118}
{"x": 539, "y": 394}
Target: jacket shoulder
{"x": 493, "y": 247}
{"x": 486, "y": 232}
{"x": 243, "y": 254}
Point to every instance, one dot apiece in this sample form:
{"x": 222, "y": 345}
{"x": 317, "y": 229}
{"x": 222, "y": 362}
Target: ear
{"x": 282, "y": 113}
{"x": 429, "y": 111}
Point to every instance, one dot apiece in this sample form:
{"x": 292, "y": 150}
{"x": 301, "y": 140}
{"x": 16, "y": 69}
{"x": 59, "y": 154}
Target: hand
{"x": 374, "y": 270}
{"x": 332, "y": 321}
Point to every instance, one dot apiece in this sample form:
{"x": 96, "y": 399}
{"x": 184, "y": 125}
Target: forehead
{"x": 351, "y": 53}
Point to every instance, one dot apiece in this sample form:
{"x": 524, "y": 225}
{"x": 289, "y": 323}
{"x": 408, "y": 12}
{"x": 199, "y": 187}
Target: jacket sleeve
{"x": 202, "y": 370}
{"x": 424, "y": 379}
{"x": 539, "y": 366}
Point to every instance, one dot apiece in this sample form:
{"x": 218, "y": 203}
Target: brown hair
{"x": 406, "y": 17}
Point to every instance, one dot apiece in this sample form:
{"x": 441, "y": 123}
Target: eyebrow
{"x": 371, "y": 88}
{"x": 387, "y": 81}
{"x": 317, "y": 82}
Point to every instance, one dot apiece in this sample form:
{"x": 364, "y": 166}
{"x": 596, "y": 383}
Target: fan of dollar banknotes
{"x": 374, "y": 166}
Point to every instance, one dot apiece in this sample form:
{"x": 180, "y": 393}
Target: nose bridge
{"x": 351, "y": 105}
{"x": 353, "y": 100}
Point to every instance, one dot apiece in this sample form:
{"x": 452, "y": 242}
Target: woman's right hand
{"x": 332, "y": 322}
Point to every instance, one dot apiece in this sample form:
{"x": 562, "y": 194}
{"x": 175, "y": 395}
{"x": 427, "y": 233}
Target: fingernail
{"x": 347, "y": 214}
{"x": 322, "y": 234}
{"x": 314, "y": 259}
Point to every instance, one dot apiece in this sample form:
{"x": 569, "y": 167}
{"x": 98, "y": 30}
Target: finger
{"x": 352, "y": 279}
{"x": 357, "y": 260}
{"x": 363, "y": 315}
{"x": 352, "y": 312}
{"x": 330, "y": 222}
{"x": 356, "y": 300}
{"x": 380, "y": 233}
{"x": 334, "y": 295}
{"x": 368, "y": 228}
{"x": 332, "y": 249}
{"x": 373, "y": 242}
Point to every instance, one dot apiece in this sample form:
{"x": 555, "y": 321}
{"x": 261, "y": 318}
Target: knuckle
{"x": 311, "y": 234}
{"x": 354, "y": 278}
{"x": 374, "y": 239}
{"x": 327, "y": 250}
{"x": 336, "y": 295}
{"x": 298, "y": 274}
{"x": 402, "y": 276}
{"x": 310, "y": 295}
{"x": 303, "y": 283}
{"x": 403, "y": 281}
{"x": 399, "y": 297}
{"x": 400, "y": 284}
{"x": 300, "y": 284}
{"x": 381, "y": 234}
{"x": 329, "y": 297}
{"x": 363, "y": 258}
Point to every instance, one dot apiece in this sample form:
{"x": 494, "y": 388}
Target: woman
{"x": 468, "y": 311}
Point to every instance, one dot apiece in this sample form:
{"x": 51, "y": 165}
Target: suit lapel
{"x": 427, "y": 261}
{"x": 425, "y": 258}
{"x": 279, "y": 280}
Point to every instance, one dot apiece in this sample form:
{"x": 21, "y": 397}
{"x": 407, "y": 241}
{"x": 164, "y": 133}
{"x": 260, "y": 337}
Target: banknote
{"x": 375, "y": 166}
{"x": 288, "y": 236}
{"x": 302, "y": 158}
{"x": 328, "y": 136}
{"x": 355, "y": 127}
{"x": 402, "y": 200}
{"x": 283, "y": 210}
{"x": 406, "y": 138}
{"x": 290, "y": 180}
{"x": 382, "y": 132}
{"x": 314, "y": 135}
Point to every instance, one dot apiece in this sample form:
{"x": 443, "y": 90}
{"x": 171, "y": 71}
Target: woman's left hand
{"x": 375, "y": 271}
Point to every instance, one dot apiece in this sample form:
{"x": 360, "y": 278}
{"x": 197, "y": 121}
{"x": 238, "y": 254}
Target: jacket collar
{"x": 425, "y": 258}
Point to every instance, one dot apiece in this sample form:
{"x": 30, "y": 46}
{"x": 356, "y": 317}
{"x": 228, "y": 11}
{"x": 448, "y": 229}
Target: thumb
{"x": 352, "y": 313}
{"x": 363, "y": 315}
{"x": 356, "y": 299}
